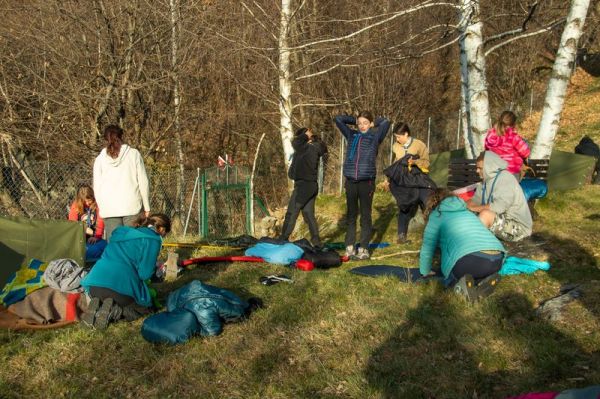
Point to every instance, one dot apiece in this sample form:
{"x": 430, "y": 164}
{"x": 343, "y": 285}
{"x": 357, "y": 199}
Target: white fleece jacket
{"x": 121, "y": 185}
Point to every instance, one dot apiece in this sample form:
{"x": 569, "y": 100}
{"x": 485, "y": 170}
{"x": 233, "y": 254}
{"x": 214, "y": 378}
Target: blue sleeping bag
{"x": 279, "y": 254}
{"x": 170, "y": 327}
{"x": 513, "y": 265}
{"x": 534, "y": 188}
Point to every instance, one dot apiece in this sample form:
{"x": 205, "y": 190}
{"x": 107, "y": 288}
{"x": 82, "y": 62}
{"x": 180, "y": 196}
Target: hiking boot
{"x": 466, "y": 288}
{"x": 486, "y": 286}
{"x": 109, "y": 311}
{"x": 350, "y": 251}
{"x": 88, "y": 317}
{"x": 363, "y": 254}
{"x": 402, "y": 239}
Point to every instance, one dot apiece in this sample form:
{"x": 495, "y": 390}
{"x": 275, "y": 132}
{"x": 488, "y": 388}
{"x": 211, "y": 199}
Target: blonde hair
{"x": 85, "y": 192}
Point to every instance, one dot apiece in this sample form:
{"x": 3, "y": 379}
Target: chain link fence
{"x": 42, "y": 190}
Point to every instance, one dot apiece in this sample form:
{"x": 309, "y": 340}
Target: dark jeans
{"x": 302, "y": 200}
{"x": 477, "y": 264}
{"x": 131, "y": 310}
{"x": 359, "y": 197}
{"x": 404, "y": 217}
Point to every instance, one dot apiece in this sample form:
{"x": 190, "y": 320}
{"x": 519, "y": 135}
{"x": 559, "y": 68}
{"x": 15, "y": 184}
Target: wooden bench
{"x": 463, "y": 172}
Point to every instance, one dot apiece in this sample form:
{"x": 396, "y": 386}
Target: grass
{"x": 333, "y": 334}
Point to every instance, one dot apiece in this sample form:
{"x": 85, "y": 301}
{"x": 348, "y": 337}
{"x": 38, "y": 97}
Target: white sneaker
{"x": 350, "y": 251}
{"x": 363, "y": 254}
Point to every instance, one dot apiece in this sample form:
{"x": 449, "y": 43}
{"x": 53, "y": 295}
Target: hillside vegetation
{"x": 335, "y": 334}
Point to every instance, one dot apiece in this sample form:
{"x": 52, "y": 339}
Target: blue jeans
{"x": 94, "y": 251}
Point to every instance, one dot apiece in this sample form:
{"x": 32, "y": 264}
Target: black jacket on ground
{"x": 305, "y": 163}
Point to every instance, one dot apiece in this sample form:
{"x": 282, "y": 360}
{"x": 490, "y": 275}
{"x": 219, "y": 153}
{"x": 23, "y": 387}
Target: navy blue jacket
{"x": 361, "y": 152}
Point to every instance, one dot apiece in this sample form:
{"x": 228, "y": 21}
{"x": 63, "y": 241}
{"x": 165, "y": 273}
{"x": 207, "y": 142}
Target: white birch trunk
{"x": 557, "y": 85}
{"x": 285, "y": 84}
{"x": 464, "y": 103}
{"x": 174, "y": 8}
{"x": 473, "y": 65}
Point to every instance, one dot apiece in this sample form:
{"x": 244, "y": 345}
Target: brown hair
{"x": 480, "y": 157}
{"x": 506, "y": 119}
{"x": 85, "y": 192}
{"x": 365, "y": 114}
{"x": 113, "y": 135}
{"x": 434, "y": 200}
{"x": 156, "y": 219}
{"x": 401, "y": 128}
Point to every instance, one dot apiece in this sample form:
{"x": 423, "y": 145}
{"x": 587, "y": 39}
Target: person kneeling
{"x": 471, "y": 254}
{"x": 117, "y": 282}
{"x": 499, "y": 200}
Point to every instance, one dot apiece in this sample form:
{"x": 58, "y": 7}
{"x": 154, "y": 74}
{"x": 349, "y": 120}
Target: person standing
{"x": 418, "y": 156}
{"x": 360, "y": 171}
{"x": 504, "y": 140}
{"x": 120, "y": 182}
{"x": 308, "y": 149}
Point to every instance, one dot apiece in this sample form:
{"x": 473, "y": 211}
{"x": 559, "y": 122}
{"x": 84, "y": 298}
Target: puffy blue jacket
{"x": 128, "y": 260}
{"x": 211, "y": 305}
{"x": 457, "y": 232}
{"x": 361, "y": 152}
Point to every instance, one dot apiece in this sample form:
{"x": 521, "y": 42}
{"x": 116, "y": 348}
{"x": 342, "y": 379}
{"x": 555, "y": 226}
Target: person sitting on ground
{"x": 360, "y": 170}
{"x": 117, "y": 282}
{"x": 504, "y": 140}
{"x": 85, "y": 209}
{"x": 304, "y": 170}
{"x": 471, "y": 255}
{"x": 499, "y": 200}
{"x": 406, "y": 144}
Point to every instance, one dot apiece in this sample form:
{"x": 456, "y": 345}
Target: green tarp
{"x": 22, "y": 238}
{"x": 565, "y": 172}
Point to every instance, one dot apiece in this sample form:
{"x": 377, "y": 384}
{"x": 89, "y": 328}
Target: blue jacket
{"x": 128, "y": 260}
{"x": 211, "y": 305}
{"x": 361, "y": 152}
{"x": 458, "y": 232}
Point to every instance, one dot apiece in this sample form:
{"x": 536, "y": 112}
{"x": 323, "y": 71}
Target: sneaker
{"x": 103, "y": 314}
{"x": 363, "y": 254}
{"x": 88, "y": 317}
{"x": 466, "y": 288}
{"x": 487, "y": 286}
{"x": 350, "y": 251}
{"x": 402, "y": 239}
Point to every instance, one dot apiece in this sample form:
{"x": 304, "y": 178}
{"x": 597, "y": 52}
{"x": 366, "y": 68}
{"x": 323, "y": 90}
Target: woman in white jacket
{"x": 120, "y": 182}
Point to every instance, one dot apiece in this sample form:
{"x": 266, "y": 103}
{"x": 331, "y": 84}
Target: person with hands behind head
{"x": 360, "y": 172}
{"x": 308, "y": 148}
{"x": 85, "y": 209}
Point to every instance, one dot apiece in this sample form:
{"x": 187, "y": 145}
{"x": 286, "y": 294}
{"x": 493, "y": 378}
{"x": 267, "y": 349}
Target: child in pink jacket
{"x": 504, "y": 140}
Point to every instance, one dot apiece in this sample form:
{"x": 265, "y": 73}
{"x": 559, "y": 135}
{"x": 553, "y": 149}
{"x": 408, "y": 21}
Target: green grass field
{"x": 335, "y": 334}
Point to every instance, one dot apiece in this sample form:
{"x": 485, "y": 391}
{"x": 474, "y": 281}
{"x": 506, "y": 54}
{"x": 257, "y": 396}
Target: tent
{"x": 22, "y": 239}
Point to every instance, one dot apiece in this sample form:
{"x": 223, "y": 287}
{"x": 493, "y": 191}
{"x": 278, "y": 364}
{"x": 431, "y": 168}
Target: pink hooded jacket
{"x": 511, "y": 147}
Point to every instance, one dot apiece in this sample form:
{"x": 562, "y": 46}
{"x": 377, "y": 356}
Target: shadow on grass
{"x": 445, "y": 350}
{"x": 570, "y": 263}
{"x": 381, "y": 225}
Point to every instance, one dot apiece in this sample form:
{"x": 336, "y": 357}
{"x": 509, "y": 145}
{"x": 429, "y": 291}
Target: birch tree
{"x": 473, "y": 78}
{"x": 559, "y": 80}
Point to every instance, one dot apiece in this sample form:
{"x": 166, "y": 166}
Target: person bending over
{"x": 471, "y": 255}
{"x": 117, "y": 282}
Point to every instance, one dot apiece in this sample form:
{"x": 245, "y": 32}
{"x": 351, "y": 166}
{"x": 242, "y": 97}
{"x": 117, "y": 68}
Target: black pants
{"x": 477, "y": 264}
{"x": 131, "y": 310}
{"x": 359, "y": 197}
{"x": 404, "y": 217}
{"x": 302, "y": 200}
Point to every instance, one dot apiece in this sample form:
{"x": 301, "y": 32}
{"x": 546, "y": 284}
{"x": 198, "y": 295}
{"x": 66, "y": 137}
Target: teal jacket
{"x": 458, "y": 232}
{"x": 128, "y": 260}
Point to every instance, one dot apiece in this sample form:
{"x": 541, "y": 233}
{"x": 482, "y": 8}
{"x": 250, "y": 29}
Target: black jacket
{"x": 305, "y": 163}
{"x": 405, "y": 183}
